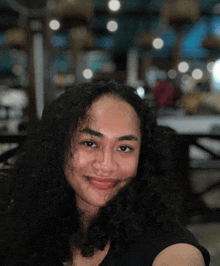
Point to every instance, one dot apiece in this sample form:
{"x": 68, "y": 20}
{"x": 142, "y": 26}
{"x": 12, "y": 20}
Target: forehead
{"x": 110, "y": 112}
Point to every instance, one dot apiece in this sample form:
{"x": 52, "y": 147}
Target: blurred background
{"x": 168, "y": 50}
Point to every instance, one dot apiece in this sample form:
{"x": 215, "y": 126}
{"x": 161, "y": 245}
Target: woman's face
{"x": 105, "y": 151}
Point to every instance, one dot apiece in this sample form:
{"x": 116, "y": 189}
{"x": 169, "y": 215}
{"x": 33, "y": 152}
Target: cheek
{"x": 76, "y": 166}
{"x": 68, "y": 169}
{"x": 133, "y": 168}
{"x": 135, "y": 164}
{"x": 130, "y": 168}
{"x": 72, "y": 173}
{"x": 80, "y": 160}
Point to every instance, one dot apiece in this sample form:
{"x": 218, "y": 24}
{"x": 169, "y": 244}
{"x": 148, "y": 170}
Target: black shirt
{"x": 144, "y": 253}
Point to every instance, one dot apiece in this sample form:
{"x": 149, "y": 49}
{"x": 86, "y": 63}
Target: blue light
{"x": 216, "y": 74}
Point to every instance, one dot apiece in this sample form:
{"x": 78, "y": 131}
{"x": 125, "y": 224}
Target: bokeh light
{"x": 114, "y": 5}
{"x": 216, "y": 71}
{"x": 172, "y": 74}
{"x": 54, "y": 24}
{"x": 186, "y": 79}
{"x": 87, "y": 73}
{"x": 158, "y": 43}
{"x": 209, "y": 66}
{"x": 141, "y": 92}
{"x": 197, "y": 74}
{"x": 112, "y": 26}
{"x": 183, "y": 67}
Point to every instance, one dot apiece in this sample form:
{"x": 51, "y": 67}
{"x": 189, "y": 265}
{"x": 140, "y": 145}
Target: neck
{"x": 87, "y": 213}
{"x": 86, "y": 218}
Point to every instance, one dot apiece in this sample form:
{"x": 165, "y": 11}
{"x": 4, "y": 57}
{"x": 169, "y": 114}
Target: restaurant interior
{"x": 168, "y": 50}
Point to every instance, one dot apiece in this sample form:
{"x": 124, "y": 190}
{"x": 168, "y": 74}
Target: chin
{"x": 101, "y": 202}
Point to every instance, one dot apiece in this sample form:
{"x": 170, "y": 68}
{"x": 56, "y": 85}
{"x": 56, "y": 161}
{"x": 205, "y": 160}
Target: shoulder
{"x": 181, "y": 254}
{"x": 175, "y": 244}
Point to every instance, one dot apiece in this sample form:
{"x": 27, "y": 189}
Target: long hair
{"x": 45, "y": 218}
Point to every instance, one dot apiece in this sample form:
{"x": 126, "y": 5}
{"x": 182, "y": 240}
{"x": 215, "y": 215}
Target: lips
{"x": 102, "y": 183}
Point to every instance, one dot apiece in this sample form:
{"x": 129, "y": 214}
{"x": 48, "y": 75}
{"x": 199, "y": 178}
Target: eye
{"x": 90, "y": 144}
{"x": 125, "y": 149}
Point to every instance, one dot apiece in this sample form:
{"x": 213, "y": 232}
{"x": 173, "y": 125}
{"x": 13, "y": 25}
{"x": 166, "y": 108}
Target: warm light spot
{"x": 193, "y": 102}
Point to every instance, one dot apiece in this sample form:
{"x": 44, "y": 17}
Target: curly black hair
{"x": 44, "y": 221}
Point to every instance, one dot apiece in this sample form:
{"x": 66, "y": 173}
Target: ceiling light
{"x": 183, "y": 67}
{"x": 54, "y": 24}
{"x": 197, "y": 73}
{"x": 158, "y": 43}
{"x": 114, "y": 5}
{"x": 112, "y": 25}
{"x": 87, "y": 73}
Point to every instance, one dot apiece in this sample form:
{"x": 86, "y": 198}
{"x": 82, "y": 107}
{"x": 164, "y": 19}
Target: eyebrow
{"x": 128, "y": 137}
{"x": 99, "y": 134}
{"x": 92, "y": 132}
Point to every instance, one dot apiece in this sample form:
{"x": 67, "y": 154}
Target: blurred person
{"x": 165, "y": 94}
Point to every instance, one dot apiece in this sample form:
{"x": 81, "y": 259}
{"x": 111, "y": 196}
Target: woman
{"x": 90, "y": 188}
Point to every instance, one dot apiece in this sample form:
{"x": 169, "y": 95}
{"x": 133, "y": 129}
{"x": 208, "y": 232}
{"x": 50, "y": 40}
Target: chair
{"x": 9, "y": 147}
{"x": 175, "y": 150}
{"x": 207, "y": 165}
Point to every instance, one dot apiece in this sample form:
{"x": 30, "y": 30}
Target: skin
{"x": 105, "y": 152}
{"x": 181, "y": 255}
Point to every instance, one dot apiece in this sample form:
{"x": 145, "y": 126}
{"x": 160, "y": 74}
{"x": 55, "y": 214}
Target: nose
{"x": 105, "y": 161}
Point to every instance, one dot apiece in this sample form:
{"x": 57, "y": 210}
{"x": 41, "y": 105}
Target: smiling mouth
{"x": 103, "y": 184}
